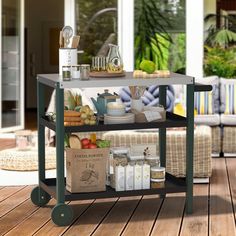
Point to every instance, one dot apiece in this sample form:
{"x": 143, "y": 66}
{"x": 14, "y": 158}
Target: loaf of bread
{"x": 75, "y": 142}
{"x": 73, "y": 123}
{"x": 69, "y": 113}
{"x": 72, "y": 118}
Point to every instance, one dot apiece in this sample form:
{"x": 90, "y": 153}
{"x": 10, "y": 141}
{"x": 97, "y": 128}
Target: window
{"x": 96, "y": 23}
{"x": 160, "y": 33}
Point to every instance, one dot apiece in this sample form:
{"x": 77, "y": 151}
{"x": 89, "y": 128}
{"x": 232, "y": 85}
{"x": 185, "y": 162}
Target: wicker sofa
{"x": 222, "y": 119}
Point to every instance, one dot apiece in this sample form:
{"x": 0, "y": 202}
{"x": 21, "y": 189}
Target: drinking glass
{"x": 99, "y": 63}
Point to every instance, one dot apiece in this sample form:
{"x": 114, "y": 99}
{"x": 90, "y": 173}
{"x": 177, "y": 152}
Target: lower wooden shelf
{"x": 172, "y": 185}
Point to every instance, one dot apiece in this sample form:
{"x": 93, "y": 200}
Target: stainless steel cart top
{"x": 128, "y": 80}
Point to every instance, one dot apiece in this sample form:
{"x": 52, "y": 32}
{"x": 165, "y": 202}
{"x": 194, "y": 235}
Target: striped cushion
{"x": 204, "y": 103}
{"x": 208, "y": 102}
{"x": 228, "y": 96}
{"x": 230, "y": 99}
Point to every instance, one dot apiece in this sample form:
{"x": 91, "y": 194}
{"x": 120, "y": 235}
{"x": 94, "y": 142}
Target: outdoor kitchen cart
{"x": 62, "y": 213}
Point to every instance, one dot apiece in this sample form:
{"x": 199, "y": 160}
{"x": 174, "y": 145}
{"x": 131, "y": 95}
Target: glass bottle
{"x": 114, "y": 61}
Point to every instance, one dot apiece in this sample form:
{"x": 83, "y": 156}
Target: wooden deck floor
{"x": 214, "y": 211}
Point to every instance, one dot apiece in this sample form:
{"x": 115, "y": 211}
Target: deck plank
{"x": 231, "y": 166}
{"x": 196, "y": 224}
{"x": 144, "y": 217}
{"x": 14, "y": 200}
{"x": 34, "y": 222}
{"x": 169, "y": 219}
{"x": 7, "y": 143}
{"x": 221, "y": 212}
{"x": 7, "y": 192}
{"x": 13, "y": 218}
{"x": 117, "y": 218}
{"x": 50, "y": 229}
{"x": 90, "y": 220}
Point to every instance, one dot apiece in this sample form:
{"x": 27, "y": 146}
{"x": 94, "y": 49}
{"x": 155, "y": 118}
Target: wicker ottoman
{"x": 229, "y": 140}
{"x": 216, "y": 140}
{"x": 176, "y": 148}
{"x": 13, "y": 159}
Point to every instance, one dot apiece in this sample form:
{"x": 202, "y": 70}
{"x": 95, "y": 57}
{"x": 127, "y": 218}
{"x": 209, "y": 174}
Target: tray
{"x": 105, "y": 74}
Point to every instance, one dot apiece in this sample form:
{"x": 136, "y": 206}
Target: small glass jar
{"x": 158, "y": 172}
{"x": 84, "y": 71}
{"x": 75, "y": 71}
{"x": 99, "y": 63}
{"x": 66, "y": 73}
{"x": 152, "y": 160}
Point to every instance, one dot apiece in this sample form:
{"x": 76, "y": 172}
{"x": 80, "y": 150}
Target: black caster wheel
{"x": 39, "y": 200}
{"x": 62, "y": 214}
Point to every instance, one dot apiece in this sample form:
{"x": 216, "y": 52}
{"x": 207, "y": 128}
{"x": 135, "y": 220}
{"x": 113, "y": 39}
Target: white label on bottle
{"x": 146, "y": 177}
{"x": 120, "y": 178}
{"x": 129, "y": 177}
{"x": 137, "y": 177}
{"x": 111, "y": 163}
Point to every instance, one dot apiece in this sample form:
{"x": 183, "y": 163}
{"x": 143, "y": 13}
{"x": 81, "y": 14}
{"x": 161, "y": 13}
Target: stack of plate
{"x": 125, "y": 119}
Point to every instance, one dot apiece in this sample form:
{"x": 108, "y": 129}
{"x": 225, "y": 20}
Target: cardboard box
{"x": 86, "y": 169}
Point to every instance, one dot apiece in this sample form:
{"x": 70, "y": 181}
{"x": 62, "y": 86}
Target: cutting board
{"x": 105, "y": 74}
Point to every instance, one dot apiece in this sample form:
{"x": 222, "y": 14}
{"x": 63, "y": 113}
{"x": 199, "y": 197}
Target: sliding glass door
{"x": 12, "y": 59}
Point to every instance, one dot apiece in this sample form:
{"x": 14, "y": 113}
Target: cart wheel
{"x": 41, "y": 200}
{"x": 62, "y": 214}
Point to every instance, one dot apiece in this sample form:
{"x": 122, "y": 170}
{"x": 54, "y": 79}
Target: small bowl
{"x": 115, "y": 109}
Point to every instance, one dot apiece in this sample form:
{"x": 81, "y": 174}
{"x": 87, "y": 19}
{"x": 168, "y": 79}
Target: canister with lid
{"x": 157, "y": 183}
{"x": 152, "y": 160}
{"x": 84, "y": 71}
{"x": 157, "y": 172}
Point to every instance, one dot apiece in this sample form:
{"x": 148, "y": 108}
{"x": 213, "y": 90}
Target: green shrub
{"x": 220, "y": 61}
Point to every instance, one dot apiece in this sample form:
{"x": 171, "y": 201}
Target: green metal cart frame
{"x": 62, "y": 214}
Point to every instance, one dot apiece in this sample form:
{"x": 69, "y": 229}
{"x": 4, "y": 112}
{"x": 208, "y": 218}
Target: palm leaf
{"x": 147, "y": 44}
{"x": 224, "y": 37}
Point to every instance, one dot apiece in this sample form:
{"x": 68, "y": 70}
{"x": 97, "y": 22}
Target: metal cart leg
{"x": 162, "y": 131}
{"x": 62, "y": 213}
{"x": 189, "y": 147}
{"x": 38, "y": 196}
{"x": 60, "y": 145}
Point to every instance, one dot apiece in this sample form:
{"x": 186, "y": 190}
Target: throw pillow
{"x": 228, "y": 96}
{"x": 208, "y": 102}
